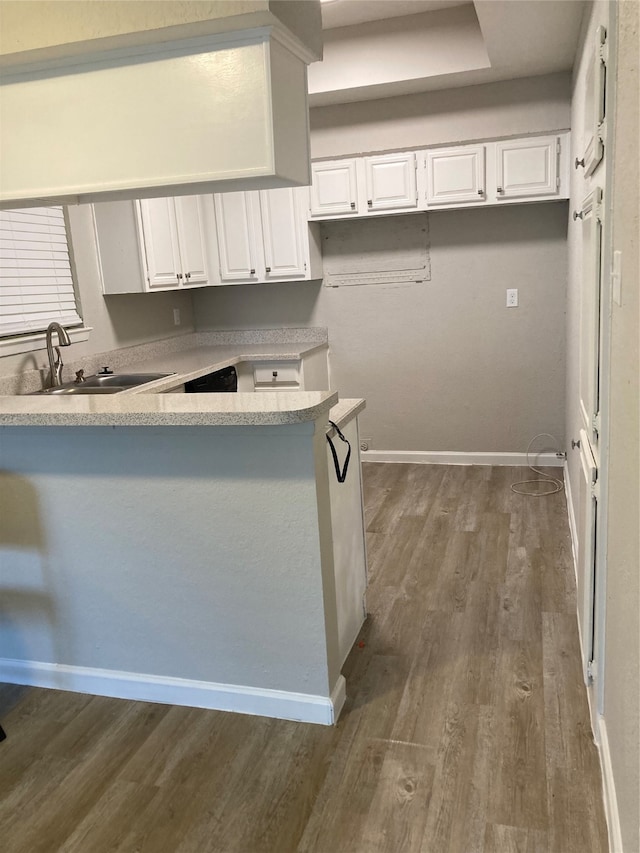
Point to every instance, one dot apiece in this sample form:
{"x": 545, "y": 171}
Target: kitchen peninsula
{"x": 195, "y": 549}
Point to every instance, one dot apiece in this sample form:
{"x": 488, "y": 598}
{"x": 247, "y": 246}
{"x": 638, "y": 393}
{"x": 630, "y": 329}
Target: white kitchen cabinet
{"x": 334, "y": 188}
{"x": 173, "y": 242}
{"x": 282, "y": 226}
{"x": 309, "y": 373}
{"x": 527, "y": 168}
{"x": 391, "y": 181}
{"x": 154, "y": 244}
{"x": 455, "y": 175}
{"x": 264, "y": 236}
{"x": 237, "y": 243}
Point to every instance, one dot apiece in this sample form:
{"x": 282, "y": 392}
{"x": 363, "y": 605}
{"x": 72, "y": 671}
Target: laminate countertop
{"x": 149, "y": 405}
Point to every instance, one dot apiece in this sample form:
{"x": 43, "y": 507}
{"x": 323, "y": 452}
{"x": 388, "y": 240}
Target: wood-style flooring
{"x": 466, "y": 728}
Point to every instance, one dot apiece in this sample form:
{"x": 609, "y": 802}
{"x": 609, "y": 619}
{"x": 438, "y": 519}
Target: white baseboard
{"x": 610, "y": 799}
{"x": 573, "y": 527}
{"x": 280, "y": 704}
{"x": 440, "y": 457}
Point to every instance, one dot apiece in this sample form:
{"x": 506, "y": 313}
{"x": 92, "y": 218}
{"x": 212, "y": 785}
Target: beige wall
{"x": 42, "y": 23}
{"x": 117, "y": 321}
{"x": 622, "y": 674}
{"x": 511, "y": 108}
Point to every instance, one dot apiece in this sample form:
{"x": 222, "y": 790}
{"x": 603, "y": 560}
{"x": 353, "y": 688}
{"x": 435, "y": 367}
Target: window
{"x": 36, "y": 284}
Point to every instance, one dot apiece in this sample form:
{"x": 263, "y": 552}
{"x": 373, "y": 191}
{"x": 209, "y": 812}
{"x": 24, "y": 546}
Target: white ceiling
{"x": 385, "y": 48}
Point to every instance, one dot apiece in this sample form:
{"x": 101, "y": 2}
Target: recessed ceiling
{"x": 385, "y": 48}
{"x": 345, "y": 13}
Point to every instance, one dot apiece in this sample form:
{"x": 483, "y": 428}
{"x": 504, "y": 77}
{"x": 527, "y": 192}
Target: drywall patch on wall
{"x": 384, "y": 250}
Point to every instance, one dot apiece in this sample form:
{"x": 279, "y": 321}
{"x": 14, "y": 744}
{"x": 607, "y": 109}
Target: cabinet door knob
{"x": 579, "y": 163}
{"x": 267, "y": 269}
{"x": 575, "y": 444}
{"x": 179, "y": 276}
{"x": 578, "y": 214}
{"x": 480, "y": 192}
{"x": 274, "y": 373}
{"x": 187, "y": 275}
{"x": 500, "y": 190}
{"x": 369, "y": 202}
{"x": 252, "y": 272}
{"x": 353, "y": 205}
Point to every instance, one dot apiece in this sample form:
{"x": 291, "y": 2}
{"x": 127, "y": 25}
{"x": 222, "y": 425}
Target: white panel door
{"x": 160, "y": 237}
{"x": 282, "y": 238}
{"x": 191, "y": 239}
{"x": 236, "y": 238}
{"x": 590, "y": 316}
{"x": 333, "y": 188}
{"x": 527, "y": 167}
{"x": 391, "y": 181}
{"x": 456, "y": 175}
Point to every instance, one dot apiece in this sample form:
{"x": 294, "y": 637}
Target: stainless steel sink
{"x": 81, "y": 389}
{"x": 121, "y": 380}
{"x": 107, "y": 383}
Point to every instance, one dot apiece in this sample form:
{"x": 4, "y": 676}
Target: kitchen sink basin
{"x": 121, "y": 380}
{"x": 105, "y": 383}
{"x": 81, "y": 389}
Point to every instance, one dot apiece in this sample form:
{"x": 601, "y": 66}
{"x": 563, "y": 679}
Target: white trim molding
{"x": 281, "y": 704}
{"x": 441, "y": 457}
{"x": 609, "y": 790}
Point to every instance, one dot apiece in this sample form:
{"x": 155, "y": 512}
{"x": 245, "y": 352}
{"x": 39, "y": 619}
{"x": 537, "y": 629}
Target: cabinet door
{"x": 333, "y": 188}
{"x": 527, "y": 167}
{"x": 284, "y": 253}
{"x": 236, "y": 238}
{"x": 191, "y": 239}
{"x": 456, "y": 175}
{"x": 157, "y": 219}
{"x": 391, "y": 181}
{"x": 594, "y": 107}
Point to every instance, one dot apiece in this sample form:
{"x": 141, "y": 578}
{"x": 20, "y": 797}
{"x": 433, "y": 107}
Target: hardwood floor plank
{"x": 576, "y": 818}
{"x": 514, "y": 839}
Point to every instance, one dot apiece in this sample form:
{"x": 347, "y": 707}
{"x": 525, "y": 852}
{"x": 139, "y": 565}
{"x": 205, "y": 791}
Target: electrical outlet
{"x": 365, "y": 444}
{"x": 176, "y": 316}
{"x": 512, "y": 297}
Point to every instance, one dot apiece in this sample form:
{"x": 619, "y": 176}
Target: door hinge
{"x": 592, "y": 671}
{"x": 595, "y": 423}
{"x": 558, "y": 147}
{"x": 557, "y": 182}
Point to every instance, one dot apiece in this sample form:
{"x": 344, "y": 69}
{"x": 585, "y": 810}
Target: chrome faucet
{"x": 63, "y": 340}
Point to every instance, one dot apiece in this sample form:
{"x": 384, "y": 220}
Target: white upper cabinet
{"x": 236, "y": 237}
{"x": 160, "y": 242}
{"x": 527, "y": 167}
{"x": 455, "y": 175}
{"x": 153, "y": 244}
{"x": 391, "y": 181}
{"x": 192, "y": 239}
{"x": 478, "y": 175}
{"x": 333, "y": 188}
{"x": 264, "y": 236}
{"x": 282, "y": 224}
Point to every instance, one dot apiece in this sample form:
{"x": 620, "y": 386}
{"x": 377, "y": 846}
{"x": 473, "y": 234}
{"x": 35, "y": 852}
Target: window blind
{"x": 36, "y": 285}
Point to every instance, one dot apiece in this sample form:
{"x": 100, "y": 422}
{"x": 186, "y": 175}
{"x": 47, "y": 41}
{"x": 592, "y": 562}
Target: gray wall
{"x": 510, "y": 108}
{"x": 117, "y": 321}
{"x": 443, "y": 365}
